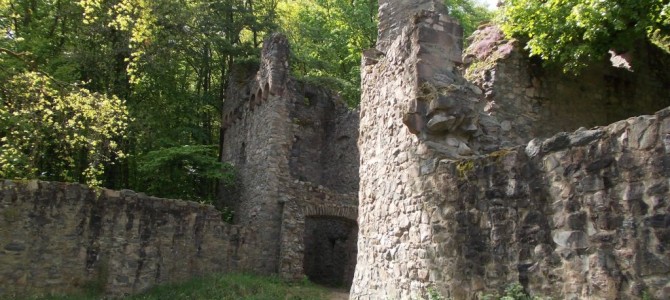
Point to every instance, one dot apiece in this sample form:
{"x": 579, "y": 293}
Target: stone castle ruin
{"x": 467, "y": 186}
{"x": 295, "y": 149}
{"x": 463, "y": 172}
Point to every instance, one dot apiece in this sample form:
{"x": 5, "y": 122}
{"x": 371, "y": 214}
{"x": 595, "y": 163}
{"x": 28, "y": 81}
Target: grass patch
{"x": 228, "y": 286}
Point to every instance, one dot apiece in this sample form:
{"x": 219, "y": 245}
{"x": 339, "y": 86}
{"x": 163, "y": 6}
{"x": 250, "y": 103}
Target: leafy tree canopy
{"x": 109, "y": 92}
{"x": 574, "y": 32}
{"x": 186, "y": 172}
{"x": 470, "y": 13}
{"x": 57, "y": 132}
{"x": 327, "y": 39}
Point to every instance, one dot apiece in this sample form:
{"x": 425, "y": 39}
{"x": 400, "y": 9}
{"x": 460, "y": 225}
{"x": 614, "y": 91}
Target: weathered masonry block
{"x": 447, "y": 203}
{"x": 59, "y": 238}
{"x": 523, "y": 100}
{"x": 576, "y": 216}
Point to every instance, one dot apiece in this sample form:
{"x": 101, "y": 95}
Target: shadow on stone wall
{"x": 295, "y": 147}
{"x": 579, "y": 215}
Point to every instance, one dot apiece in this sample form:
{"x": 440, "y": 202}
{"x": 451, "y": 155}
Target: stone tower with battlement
{"x": 294, "y": 146}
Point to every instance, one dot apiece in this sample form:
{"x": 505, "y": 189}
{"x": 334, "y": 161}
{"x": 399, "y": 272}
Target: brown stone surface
{"x": 58, "y": 238}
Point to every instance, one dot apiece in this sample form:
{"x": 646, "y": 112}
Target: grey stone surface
{"x": 468, "y": 186}
{"x": 58, "y": 238}
{"x": 294, "y": 145}
{"x": 541, "y": 101}
{"x": 583, "y": 222}
{"x": 458, "y": 183}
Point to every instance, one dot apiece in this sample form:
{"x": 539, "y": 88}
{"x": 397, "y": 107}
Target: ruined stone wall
{"x": 256, "y": 139}
{"x": 524, "y": 99}
{"x": 340, "y": 159}
{"x": 576, "y": 216}
{"x": 394, "y": 15}
{"x": 446, "y": 204}
{"x": 60, "y": 238}
{"x": 393, "y": 228}
{"x": 295, "y": 148}
{"x": 323, "y": 149}
{"x": 303, "y": 200}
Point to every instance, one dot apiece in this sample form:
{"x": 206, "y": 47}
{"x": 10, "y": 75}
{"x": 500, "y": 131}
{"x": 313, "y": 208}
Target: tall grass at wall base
{"x": 223, "y": 287}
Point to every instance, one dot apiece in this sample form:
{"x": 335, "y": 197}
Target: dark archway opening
{"x": 330, "y": 250}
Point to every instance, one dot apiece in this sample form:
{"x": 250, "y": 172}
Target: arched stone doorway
{"x": 330, "y": 250}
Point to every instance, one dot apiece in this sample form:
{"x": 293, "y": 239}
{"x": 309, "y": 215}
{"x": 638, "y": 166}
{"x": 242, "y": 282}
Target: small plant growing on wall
{"x": 513, "y": 291}
{"x": 464, "y": 167}
{"x": 433, "y": 294}
{"x": 227, "y": 214}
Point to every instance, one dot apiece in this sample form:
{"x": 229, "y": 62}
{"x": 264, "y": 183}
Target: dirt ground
{"x": 338, "y": 294}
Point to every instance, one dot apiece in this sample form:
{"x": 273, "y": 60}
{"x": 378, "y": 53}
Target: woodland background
{"x": 128, "y": 93}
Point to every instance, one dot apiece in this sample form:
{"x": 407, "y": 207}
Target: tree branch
{"x": 22, "y": 56}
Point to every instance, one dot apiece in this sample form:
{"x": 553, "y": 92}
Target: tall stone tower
{"x": 294, "y": 147}
{"x": 413, "y": 106}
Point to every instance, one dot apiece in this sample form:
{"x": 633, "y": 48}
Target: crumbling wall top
{"x": 270, "y": 79}
{"x": 274, "y": 63}
{"x": 394, "y": 15}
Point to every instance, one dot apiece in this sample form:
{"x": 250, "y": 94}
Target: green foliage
{"x": 647, "y": 296}
{"x": 346, "y": 89}
{"x": 587, "y": 29}
{"x": 327, "y": 38}
{"x": 513, "y": 292}
{"x": 464, "y": 168}
{"x": 236, "y": 287}
{"x": 185, "y": 172}
{"x": 57, "y": 132}
{"x": 469, "y": 13}
{"x": 227, "y": 215}
{"x": 169, "y": 60}
{"x": 224, "y": 287}
{"x": 433, "y": 294}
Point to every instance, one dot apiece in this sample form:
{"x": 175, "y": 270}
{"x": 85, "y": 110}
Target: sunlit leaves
{"x": 91, "y": 8}
{"x": 55, "y": 132}
{"x": 572, "y": 33}
{"x": 328, "y": 37}
{"x": 469, "y": 13}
